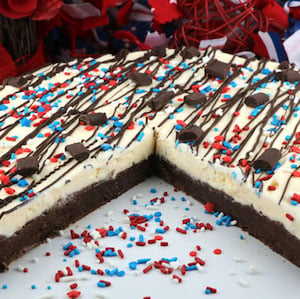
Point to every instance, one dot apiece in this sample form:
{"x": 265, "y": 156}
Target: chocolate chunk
{"x": 218, "y": 69}
{"x": 122, "y": 54}
{"x": 140, "y": 79}
{"x": 288, "y": 75}
{"x": 158, "y": 51}
{"x": 27, "y": 166}
{"x": 160, "y": 100}
{"x": 256, "y": 99}
{"x": 268, "y": 159}
{"x": 78, "y": 151}
{"x": 196, "y": 98}
{"x": 190, "y": 133}
{"x": 292, "y": 76}
{"x": 93, "y": 119}
{"x": 190, "y": 52}
{"x": 14, "y": 81}
{"x": 284, "y": 65}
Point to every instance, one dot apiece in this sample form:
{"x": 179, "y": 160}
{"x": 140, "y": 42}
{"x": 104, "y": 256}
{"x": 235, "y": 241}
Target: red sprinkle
{"x": 217, "y": 251}
{"x": 193, "y": 253}
{"x": 289, "y": 216}
{"x": 73, "y": 286}
{"x": 147, "y": 269}
{"x": 74, "y": 294}
{"x": 181, "y": 230}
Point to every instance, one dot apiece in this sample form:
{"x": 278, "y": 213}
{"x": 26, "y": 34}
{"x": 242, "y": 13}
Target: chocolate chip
{"x": 256, "y": 99}
{"x": 190, "y": 133}
{"x": 27, "y": 166}
{"x": 292, "y": 76}
{"x": 218, "y": 69}
{"x": 158, "y": 51}
{"x": 93, "y": 119}
{"x": 190, "y": 52}
{"x": 14, "y": 81}
{"x": 140, "y": 79}
{"x": 160, "y": 100}
{"x": 268, "y": 159}
{"x": 284, "y": 65}
{"x": 288, "y": 75}
{"x": 78, "y": 151}
{"x": 196, "y": 98}
{"x": 122, "y": 54}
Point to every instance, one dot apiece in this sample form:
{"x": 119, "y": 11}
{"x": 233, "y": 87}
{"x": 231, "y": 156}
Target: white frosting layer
{"x": 157, "y": 131}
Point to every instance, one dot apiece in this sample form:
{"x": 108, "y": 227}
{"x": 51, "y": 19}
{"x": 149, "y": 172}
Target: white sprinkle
{"x": 46, "y": 296}
{"x": 110, "y": 213}
{"x": 233, "y": 222}
{"x": 239, "y": 259}
{"x": 220, "y": 215}
{"x": 242, "y": 282}
{"x": 101, "y": 295}
{"x": 61, "y": 233}
{"x": 253, "y": 270}
{"x": 19, "y": 268}
{"x": 48, "y": 240}
{"x": 35, "y": 260}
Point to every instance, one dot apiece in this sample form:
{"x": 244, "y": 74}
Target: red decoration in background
{"x": 36, "y": 9}
{"x": 165, "y": 11}
{"x": 215, "y": 19}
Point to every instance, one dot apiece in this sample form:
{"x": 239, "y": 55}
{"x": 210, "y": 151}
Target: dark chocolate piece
{"x": 256, "y": 99}
{"x": 160, "y": 100}
{"x": 292, "y": 76}
{"x": 140, "y": 79}
{"x": 190, "y": 52}
{"x": 190, "y": 133}
{"x": 218, "y": 69}
{"x": 27, "y": 166}
{"x": 284, "y": 65}
{"x": 93, "y": 119}
{"x": 288, "y": 75}
{"x": 17, "y": 81}
{"x": 158, "y": 51}
{"x": 268, "y": 159}
{"x": 196, "y": 98}
{"x": 78, "y": 151}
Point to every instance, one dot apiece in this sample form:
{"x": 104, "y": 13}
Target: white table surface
{"x": 229, "y": 272}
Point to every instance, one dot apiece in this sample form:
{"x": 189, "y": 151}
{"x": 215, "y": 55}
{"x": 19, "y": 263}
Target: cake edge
{"x": 270, "y": 232}
{"x": 71, "y": 210}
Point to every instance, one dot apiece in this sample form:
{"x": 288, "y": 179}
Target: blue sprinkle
{"x": 207, "y": 291}
{"x": 25, "y": 122}
{"x": 118, "y": 124}
{"x": 141, "y": 238}
{"x": 140, "y": 136}
{"x": 120, "y": 273}
{"x": 294, "y": 202}
{"x": 22, "y": 183}
{"x": 133, "y": 265}
{"x": 140, "y": 91}
{"x": 132, "y": 238}
{"x": 190, "y": 268}
{"x": 160, "y": 231}
{"x": 101, "y": 284}
{"x": 178, "y": 127}
{"x": 157, "y": 214}
{"x": 106, "y": 147}
{"x": 257, "y": 184}
{"x": 153, "y": 190}
{"x": 179, "y": 109}
{"x": 93, "y": 271}
{"x": 4, "y": 287}
{"x": 234, "y": 175}
{"x": 129, "y": 245}
{"x": 143, "y": 261}
{"x": 33, "y": 287}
